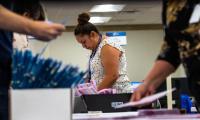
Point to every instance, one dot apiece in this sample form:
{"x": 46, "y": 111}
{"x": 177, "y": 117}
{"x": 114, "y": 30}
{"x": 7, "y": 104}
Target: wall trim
{"x": 122, "y": 27}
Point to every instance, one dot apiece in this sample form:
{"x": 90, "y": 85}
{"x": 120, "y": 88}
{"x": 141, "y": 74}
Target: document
{"x": 145, "y": 100}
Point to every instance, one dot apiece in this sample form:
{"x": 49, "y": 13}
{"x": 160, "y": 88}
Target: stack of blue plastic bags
{"x": 32, "y": 71}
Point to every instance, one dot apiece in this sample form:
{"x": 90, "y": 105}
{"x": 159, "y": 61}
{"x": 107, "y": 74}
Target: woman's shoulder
{"x": 106, "y": 41}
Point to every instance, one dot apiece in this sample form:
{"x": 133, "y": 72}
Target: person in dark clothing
{"x": 11, "y": 22}
{"x": 181, "y": 22}
{"x": 32, "y": 9}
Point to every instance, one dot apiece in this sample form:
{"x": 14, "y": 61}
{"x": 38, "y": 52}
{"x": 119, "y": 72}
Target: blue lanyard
{"x": 92, "y": 56}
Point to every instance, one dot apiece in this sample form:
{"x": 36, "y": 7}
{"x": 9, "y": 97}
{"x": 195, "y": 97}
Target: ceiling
{"x": 136, "y": 12}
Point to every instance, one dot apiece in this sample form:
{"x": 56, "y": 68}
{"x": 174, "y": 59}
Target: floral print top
{"x": 122, "y": 84}
{"x": 182, "y": 38}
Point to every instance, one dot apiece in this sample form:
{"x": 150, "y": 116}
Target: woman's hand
{"x": 155, "y": 77}
{"x": 142, "y": 91}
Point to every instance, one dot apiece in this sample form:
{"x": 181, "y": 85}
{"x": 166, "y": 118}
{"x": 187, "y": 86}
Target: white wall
{"x": 67, "y": 49}
{"x": 141, "y": 51}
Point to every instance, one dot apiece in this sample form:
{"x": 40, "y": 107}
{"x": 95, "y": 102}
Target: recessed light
{"x": 107, "y": 8}
{"x": 99, "y": 19}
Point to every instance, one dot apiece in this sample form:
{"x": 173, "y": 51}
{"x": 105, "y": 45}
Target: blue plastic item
{"x": 186, "y": 103}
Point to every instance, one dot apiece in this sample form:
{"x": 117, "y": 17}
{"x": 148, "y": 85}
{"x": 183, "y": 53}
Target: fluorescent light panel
{"x": 99, "y": 19}
{"x": 107, "y": 8}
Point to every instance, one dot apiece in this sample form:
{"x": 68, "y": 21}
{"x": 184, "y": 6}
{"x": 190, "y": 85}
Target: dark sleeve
{"x": 169, "y": 50}
{"x": 7, "y": 3}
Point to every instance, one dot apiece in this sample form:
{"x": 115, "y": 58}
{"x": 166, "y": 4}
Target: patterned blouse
{"x": 122, "y": 85}
{"x": 181, "y": 20}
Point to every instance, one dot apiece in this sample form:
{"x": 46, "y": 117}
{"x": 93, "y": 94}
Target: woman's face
{"x": 87, "y": 41}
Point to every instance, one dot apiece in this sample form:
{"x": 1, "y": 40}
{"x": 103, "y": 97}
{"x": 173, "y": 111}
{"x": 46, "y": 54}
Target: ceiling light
{"x": 107, "y": 8}
{"x": 99, "y": 19}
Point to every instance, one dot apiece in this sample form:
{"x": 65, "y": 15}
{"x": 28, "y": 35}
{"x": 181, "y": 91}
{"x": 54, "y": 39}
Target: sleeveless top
{"x": 122, "y": 84}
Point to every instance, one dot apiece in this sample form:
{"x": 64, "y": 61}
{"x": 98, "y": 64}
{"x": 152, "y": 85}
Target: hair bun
{"x": 83, "y": 18}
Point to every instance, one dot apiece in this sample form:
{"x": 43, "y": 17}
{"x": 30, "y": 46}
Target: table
{"x": 132, "y": 116}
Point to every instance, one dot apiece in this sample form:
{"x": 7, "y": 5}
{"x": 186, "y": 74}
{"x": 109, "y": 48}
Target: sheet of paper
{"x": 146, "y": 100}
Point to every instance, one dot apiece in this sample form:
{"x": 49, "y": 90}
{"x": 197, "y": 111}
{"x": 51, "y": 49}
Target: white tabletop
{"x": 132, "y": 116}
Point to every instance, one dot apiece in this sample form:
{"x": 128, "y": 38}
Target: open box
{"x": 41, "y": 104}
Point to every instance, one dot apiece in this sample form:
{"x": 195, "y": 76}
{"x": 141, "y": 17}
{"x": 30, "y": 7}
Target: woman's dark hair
{"x": 32, "y": 7}
{"x": 84, "y": 27}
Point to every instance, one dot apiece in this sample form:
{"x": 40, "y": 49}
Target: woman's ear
{"x": 93, "y": 34}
